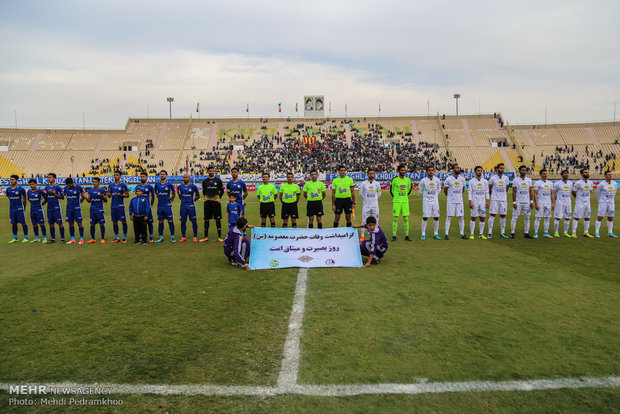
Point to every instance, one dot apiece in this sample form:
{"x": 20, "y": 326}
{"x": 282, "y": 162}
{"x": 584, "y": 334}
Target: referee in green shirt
{"x": 343, "y": 196}
{"x": 289, "y": 195}
{"x": 314, "y": 191}
{"x": 267, "y": 193}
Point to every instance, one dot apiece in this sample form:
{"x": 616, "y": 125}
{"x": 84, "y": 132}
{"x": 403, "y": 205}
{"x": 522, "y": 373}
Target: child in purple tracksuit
{"x": 237, "y": 247}
{"x": 376, "y": 245}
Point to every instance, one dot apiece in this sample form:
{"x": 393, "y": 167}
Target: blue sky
{"x": 110, "y": 60}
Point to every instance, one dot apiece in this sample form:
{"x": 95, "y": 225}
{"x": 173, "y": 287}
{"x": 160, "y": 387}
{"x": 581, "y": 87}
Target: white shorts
{"x": 562, "y": 211}
{"x": 370, "y": 211}
{"x": 430, "y": 209}
{"x": 522, "y": 208}
{"x": 582, "y": 211}
{"x": 606, "y": 209}
{"x": 453, "y": 210}
{"x": 479, "y": 210}
{"x": 498, "y": 207}
{"x": 545, "y": 211}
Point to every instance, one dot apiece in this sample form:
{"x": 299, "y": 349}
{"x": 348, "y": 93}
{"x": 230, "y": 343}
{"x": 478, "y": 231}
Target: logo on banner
{"x": 274, "y": 263}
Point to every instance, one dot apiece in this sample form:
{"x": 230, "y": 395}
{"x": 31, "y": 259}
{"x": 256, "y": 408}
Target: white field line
{"x": 290, "y": 359}
{"x": 343, "y": 390}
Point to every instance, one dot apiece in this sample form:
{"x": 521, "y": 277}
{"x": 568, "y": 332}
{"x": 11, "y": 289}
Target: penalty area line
{"x": 341, "y": 390}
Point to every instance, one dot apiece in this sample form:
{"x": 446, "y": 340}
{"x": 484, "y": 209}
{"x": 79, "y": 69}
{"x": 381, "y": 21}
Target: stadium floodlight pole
{"x": 170, "y": 100}
{"x": 72, "y": 160}
{"x": 456, "y": 98}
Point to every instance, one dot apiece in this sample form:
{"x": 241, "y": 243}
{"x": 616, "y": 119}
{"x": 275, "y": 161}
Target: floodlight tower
{"x": 456, "y": 98}
{"x": 170, "y": 100}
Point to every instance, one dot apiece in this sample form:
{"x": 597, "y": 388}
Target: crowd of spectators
{"x": 567, "y": 158}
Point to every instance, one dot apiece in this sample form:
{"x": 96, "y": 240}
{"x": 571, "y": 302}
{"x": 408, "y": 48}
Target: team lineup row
{"x": 545, "y": 197}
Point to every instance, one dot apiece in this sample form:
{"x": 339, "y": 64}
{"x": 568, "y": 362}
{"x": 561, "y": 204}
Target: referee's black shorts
{"x": 212, "y": 210}
{"x": 267, "y": 210}
{"x": 314, "y": 208}
{"x": 344, "y": 204}
{"x": 289, "y": 210}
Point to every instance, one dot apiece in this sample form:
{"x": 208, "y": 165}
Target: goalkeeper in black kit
{"x": 212, "y": 189}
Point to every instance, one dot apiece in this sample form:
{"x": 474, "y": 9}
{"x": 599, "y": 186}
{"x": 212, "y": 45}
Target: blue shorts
{"x": 188, "y": 211}
{"x": 17, "y": 216}
{"x": 54, "y": 216}
{"x": 97, "y": 217}
{"x": 231, "y": 225}
{"x": 74, "y": 214}
{"x": 37, "y": 217}
{"x": 118, "y": 213}
{"x": 164, "y": 213}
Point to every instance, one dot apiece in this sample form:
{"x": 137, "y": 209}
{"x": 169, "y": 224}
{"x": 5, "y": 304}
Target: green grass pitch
{"x": 457, "y": 310}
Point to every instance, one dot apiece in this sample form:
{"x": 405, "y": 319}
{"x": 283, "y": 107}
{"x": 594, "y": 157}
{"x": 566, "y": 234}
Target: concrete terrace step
{"x": 472, "y": 143}
{"x": 593, "y": 136}
{"x": 35, "y": 141}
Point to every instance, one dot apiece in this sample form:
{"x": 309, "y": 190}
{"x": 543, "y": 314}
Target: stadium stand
{"x": 298, "y": 144}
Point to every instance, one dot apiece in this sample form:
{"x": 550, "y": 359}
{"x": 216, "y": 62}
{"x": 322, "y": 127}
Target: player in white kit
{"x": 453, "y": 188}
{"x": 522, "y": 199}
{"x": 498, "y": 186}
{"x": 370, "y": 191}
{"x": 430, "y": 187}
{"x": 562, "y": 190}
{"x": 583, "y": 210}
{"x": 606, "y": 195}
{"x": 544, "y": 201}
{"x": 478, "y": 195}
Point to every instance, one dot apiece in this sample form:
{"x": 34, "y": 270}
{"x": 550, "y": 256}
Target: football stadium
{"x": 436, "y": 262}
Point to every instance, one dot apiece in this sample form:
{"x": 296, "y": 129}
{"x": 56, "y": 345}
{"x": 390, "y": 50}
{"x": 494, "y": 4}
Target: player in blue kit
{"x": 237, "y": 187}
{"x": 96, "y": 196}
{"x": 149, "y": 193}
{"x": 189, "y": 194}
{"x": 75, "y": 196}
{"x": 54, "y": 212}
{"x": 118, "y": 192}
{"x": 165, "y": 195}
{"x": 17, "y": 200}
{"x": 36, "y": 198}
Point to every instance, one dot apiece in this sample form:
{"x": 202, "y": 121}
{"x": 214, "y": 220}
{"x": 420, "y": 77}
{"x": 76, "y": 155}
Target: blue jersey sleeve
{"x": 245, "y": 188}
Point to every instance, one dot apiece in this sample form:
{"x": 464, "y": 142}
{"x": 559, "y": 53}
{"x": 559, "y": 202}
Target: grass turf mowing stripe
{"x": 345, "y": 390}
